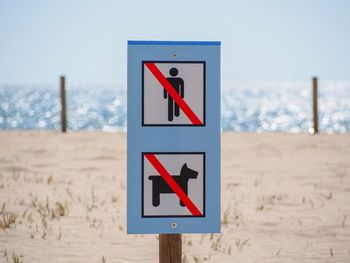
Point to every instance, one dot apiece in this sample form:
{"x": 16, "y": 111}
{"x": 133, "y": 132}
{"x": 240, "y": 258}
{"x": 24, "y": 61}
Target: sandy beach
{"x": 285, "y": 198}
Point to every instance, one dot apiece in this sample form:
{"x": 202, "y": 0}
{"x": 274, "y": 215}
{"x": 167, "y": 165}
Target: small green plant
{"x": 16, "y": 259}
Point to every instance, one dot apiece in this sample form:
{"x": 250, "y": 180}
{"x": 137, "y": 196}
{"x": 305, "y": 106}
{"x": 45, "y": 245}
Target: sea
{"x": 245, "y": 107}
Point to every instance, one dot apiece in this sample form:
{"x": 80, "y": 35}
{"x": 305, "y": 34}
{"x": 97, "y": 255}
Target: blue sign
{"x": 173, "y": 137}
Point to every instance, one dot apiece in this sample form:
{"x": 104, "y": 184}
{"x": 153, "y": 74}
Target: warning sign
{"x": 173, "y": 93}
{"x": 173, "y": 137}
{"x": 173, "y": 185}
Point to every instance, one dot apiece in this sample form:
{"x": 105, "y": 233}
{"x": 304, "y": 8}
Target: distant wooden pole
{"x": 170, "y": 248}
{"x": 314, "y": 104}
{"x": 63, "y": 104}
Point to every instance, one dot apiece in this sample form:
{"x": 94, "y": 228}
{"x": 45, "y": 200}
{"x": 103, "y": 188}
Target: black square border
{"x": 204, "y": 97}
{"x": 142, "y": 181}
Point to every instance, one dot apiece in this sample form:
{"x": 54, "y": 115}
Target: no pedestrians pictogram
{"x": 173, "y": 93}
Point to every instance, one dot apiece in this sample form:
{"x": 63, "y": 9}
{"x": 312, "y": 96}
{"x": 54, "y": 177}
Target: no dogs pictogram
{"x": 173, "y": 93}
{"x": 173, "y": 184}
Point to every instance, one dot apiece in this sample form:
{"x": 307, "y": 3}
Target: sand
{"x": 285, "y": 198}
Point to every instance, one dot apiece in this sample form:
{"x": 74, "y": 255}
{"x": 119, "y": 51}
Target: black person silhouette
{"x": 178, "y": 85}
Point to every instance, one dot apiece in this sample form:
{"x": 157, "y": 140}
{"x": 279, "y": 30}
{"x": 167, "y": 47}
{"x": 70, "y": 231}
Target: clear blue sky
{"x": 268, "y": 40}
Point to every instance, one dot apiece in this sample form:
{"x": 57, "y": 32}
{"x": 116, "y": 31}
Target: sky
{"x": 86, "y": 40}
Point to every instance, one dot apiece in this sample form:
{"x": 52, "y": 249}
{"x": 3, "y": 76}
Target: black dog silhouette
{"x": 159, "y": 186}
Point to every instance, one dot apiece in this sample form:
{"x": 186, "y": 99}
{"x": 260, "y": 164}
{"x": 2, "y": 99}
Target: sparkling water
{"x": 245, "y": 107}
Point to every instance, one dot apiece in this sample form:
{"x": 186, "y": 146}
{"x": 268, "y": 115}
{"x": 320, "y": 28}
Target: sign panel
{"x": 173, "y": 137}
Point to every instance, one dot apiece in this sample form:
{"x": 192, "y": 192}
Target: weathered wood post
{"x": 63, "y": 104}
{"x": 170, "y": 248}
{"x": 314, "y": 104}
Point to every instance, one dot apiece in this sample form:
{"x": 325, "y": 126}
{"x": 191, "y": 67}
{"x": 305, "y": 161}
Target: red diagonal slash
{"x": 172, "y": 92}
{"x": 173, "y": 185}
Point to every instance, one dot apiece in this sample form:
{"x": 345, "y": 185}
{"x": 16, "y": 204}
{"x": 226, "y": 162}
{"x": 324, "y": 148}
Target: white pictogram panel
{"x": 173, "y": 93}
{"x": 173, "y": 184}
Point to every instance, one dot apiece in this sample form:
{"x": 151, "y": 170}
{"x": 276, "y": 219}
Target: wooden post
{"x": 314, "y": 104}
{"x": 170, "y": 248}
{"x": 63, "y": 104}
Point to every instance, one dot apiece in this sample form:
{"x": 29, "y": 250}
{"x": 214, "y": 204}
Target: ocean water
{"x": 245, "y": 107}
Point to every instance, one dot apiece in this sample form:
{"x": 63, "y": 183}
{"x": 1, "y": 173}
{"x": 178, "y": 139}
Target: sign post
{"x": 170, "y": 248}
{"x": 63, "y": 104}
{"x": 314, "y": 105}
{"x": 173, "y": 139}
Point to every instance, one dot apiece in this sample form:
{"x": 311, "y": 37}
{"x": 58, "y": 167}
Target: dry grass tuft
{"x": 226, "y": 217}
{"x": 15, "y": 258}
{"x": 7, "y": 219}
{"x": 240, "y": 244}
{"x": 46, "y": 211}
